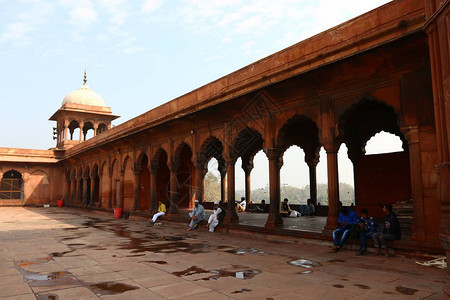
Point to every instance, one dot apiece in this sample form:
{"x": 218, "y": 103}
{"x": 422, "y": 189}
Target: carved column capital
{"x": 411, "y": 134}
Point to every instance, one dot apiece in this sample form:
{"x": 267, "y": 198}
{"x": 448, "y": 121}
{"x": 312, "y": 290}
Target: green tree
{"x": 212, "y": 187}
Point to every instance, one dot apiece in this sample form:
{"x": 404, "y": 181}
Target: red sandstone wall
{"x": 382, "y": 178}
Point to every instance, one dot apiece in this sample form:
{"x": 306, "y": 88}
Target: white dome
{"x": 84, "y": 95}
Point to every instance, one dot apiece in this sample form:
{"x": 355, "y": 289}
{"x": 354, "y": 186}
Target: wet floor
{"x": 91, "y": 255}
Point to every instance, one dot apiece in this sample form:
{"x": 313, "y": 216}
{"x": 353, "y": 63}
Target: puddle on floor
{"x": 111, "y": 288}
{"x": 31, "y": 276}
{"x": 362, "y": 286}
{"x": 241, "y": 291}
{"x": 241, "y": 251}
{"x": 159, "y": 262}
{"x": 304, "y": 263}
{"x": 405, "y": 291}
{"x": 24, "y": 263}
{"x": 47, "y": 297}
{"x": 59, "y": 254}
{"x": 217, "y": 273}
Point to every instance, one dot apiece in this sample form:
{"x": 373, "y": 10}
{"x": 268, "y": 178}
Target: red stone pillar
{"x": 247, "y": 166}
{"x": 437, "y": 28}
{"x": 333, "y": 187}
{"x": 85, "y": 191}
{"x": 136, "y": 184}
{"x": 66, "y": 189}
{"x": 73, "y": 191}
{"x": 173, "y": 193}
{"x": 122, "y": 188}
{"x": 111, "y": 188}
{"x": 274, "y": 219}
{"x": 199, "y": 182}
{"x": 223, "y": 185}
{"x": 231, "y": 216}
{"x": 312, "y": 164}
{"x": 81, "y": 131}
{"x": 153, "y": 200}
{"x": 411, "y": 134}
{"x": 93, "y": 190}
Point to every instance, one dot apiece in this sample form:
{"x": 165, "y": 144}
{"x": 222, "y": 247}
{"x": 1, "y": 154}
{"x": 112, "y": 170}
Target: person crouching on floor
{"x": 213, "y": 220}
{"x": 197, "y": 215}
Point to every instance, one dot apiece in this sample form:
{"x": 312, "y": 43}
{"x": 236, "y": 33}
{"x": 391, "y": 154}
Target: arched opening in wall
{"x": 73, "y": 186}
{"x": 322, "y": 184}
{"x": 88, "y": 131}
{"x": 74, "y": 130}
{"x": 144, "y": 184}
{"x": 346, "y": 177}
{"x": 294, "y": 176}
{"x": 38, "y": 187}
{"x": 128, "y": 185}
{"x": 11, "y": 186}
{"x": 384, "y": 142}
{"x": 80, "y": 187}
{"x": 212, "y": 182}
{"x": 259, "y": 182}
{"x": 101, "y": 128}
{"x": 185, "y": 177}
{"x": 162, "y": 178}
{"x": 105, "y": 185}
{"x": 211, "y": 155}
{"x": 378, "y": 178}
{"x": 246, "y": 145}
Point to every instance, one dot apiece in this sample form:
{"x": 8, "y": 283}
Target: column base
{"x": 231, "y": 217}
{"x": 274, "y": 221}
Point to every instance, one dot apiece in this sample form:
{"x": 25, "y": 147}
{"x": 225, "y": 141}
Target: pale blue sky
{"x": 138, "y": 54}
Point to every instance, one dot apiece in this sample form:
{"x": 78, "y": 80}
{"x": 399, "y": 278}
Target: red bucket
{"x": 117, "y": 212}
{"x": 60, "y": 203}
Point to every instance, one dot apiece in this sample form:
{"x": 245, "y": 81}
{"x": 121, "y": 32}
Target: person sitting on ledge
{"x": 286, "y": 211}
{"x": 161, "y": 212}
{"x": 347, "y": 218}
{"x": 369, "y": 227}
{"x": 241, "y": 206}
{"x": 390, "y": 232}
{"x": 311, "y": 208}
{"x": 262, "y": 208}
{"x": 197, "y": 215}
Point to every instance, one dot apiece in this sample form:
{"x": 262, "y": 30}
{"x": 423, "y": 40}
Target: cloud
{"x": 117, "y": 9}
{"x": 132, "y": 50}
{"x": 16, "y": 31}
{"x": 82, "y": 13}
{"x": 149, "y": 6}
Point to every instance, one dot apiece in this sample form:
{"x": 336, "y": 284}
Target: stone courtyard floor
{"x": 65, "y": 253}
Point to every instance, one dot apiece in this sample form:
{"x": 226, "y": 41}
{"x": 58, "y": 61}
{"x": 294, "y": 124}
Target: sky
{"x": 138, "y": 54}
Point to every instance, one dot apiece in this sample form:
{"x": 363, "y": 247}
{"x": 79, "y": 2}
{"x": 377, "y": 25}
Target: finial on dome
{"x": 85, "y": 77}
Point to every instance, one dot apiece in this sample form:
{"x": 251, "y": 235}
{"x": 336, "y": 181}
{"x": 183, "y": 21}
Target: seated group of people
{"x": 368, "y": 228}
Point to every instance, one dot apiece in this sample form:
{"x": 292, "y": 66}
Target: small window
{"x": 11, "y": 185}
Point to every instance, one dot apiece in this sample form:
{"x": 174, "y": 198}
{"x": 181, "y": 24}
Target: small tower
{"x": 82, "y": 109}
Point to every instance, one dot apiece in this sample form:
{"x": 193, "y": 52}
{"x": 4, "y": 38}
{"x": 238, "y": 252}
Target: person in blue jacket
{"x": 347, "y": 218}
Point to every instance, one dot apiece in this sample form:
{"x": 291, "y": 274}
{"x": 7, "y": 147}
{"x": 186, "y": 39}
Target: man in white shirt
{"x": 213, "y": 220}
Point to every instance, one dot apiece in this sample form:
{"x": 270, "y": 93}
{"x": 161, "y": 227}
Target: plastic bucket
{"x": 60, "y": 203}
{"x": 117, "y": 212}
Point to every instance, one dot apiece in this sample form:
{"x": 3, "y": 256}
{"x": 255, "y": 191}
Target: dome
{"x": 84, "y": 95}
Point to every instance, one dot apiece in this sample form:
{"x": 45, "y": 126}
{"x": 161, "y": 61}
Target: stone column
{"x": 436, "y": 27}
{"x": 93, "y": 190}
{"x": 100, "y": 188}
{"x": 199, "y": 182}
{"x": 111, "y": 188}
{"x": 122, "y": 188}
{"x": 231, "y": 216}
{"x": 274, "y": 219}
{"x": 333, "y": 187}
{"x": 411, "y": 134}
{"x": 173, "y": 193}
{"x": 153, "y": 201}
{"x": 85, "y": 191}
{"x": 95, "y": 129}
{"x": 73, "y": 191}
{"x": 136, "y": 182}
{"x": 66, "y": 189}
{"x": 312, "y": 164}
{"x": 247, "y": 166}
{"x": 223, "y": 183}
{"x": 81, "y": 131}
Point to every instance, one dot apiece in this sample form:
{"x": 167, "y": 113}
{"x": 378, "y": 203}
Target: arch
{"x": 247, "y": 143}
{"x": 384, "y": 142}
{"x": 38, "y": 186}
{"x": 86, "y": 128}
{"x": 105, "y": 184}
{"x": 364, "y": 119}
{"x": 115, "y": 180}
{"x": 211, "y": 147}
{"x": 178, "y": 150}
{"x": 95, "y": 188}
{"x": 11, "y": 185}
{"x": 124, "y": 161}
{"x": 72, "y": 126}
{"x": 185, "y": 175}
{"x": 162, "y": 173}
{"x": 144, "y": 182}
{"x": 102, "y": 127}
